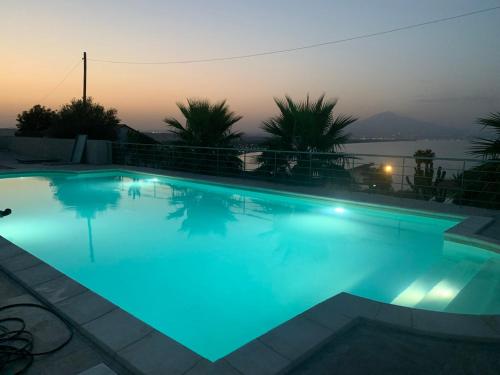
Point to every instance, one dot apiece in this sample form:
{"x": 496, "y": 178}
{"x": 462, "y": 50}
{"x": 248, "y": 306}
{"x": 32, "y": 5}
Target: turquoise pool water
{"x": 214, "y": 267}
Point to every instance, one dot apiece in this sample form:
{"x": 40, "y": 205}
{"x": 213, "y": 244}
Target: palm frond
{"x": 488, "y": 148}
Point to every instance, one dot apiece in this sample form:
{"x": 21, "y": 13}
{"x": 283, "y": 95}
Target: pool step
{"x": 419, "y": 288}
{"x": 445, "y": 290}
{"x": 482, "y": 293}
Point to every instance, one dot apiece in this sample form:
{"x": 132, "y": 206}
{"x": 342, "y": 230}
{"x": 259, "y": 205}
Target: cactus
{"x": 425, "y": 182}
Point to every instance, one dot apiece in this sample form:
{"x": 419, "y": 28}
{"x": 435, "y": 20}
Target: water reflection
{"x": 134, "y": 189}
{"x": 205, "y": 212}
{"x": 87, "y": 197}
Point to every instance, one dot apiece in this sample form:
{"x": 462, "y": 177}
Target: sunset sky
{"x": 447, "y": 73}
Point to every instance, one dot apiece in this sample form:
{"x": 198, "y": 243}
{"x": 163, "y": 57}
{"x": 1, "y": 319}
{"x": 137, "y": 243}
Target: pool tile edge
{"x": 468, "y": 232}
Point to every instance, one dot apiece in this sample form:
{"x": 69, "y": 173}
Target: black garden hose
{"x": 16, "y": 344}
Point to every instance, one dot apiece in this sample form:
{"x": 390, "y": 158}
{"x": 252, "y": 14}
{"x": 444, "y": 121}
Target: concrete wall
{"x": 96, "y": 152}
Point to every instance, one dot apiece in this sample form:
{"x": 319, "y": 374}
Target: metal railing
{"x": 448, "y": 180}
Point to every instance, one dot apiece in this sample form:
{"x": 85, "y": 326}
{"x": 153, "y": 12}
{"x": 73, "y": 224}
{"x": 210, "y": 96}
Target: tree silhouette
{"x": 307, "y": 126}
{"x": 88, "y": 118}
{"x": 206, "y": 125}
{"x": 35, "y": 122}
{"x": 87, "y": 198}
{"x": 480, "y": 185}
{"x": 488, "y": 148}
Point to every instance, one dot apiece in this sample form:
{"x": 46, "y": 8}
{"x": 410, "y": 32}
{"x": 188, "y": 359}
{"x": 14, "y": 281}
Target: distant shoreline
{"x": 377, "y": 140}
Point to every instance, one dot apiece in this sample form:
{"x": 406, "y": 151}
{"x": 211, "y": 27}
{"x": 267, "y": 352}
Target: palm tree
{"x": 480, "y": 185}
{"x": 308, "y": 126}
{"x": 206, "y": 125}
{"x": 488, "y": 148}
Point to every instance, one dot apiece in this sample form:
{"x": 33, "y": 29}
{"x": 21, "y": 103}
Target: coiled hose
{"x": 17, "y": 343}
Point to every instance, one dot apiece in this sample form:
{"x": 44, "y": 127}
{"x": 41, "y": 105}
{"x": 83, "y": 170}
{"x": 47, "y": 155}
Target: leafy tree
{"x": 206, "y": 125}
{"x": 488, "y": 148}
{"x": 89, "y": 118}
{"x": 35, "y": 122}
{"x": 307, "y": 126}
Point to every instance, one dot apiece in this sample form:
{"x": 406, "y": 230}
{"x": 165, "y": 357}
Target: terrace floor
{"x": 80, "y": 356}
{"x": 364, "y": 349}
{"x": 372, "y": 349}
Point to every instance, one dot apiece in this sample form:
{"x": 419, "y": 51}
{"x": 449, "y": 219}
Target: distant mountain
{"x": 389, "y": 125}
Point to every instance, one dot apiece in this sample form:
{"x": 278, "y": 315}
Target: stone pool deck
{"x": 80, "y": 356}
{"x": 297, "y": 345}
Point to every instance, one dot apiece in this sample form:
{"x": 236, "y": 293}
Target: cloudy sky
{"x": 447, "y": 73}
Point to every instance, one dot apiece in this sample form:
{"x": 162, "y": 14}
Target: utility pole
{"x": 85, "y": 78}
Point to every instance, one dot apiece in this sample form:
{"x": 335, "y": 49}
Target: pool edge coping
{"x": 284, "y": 346}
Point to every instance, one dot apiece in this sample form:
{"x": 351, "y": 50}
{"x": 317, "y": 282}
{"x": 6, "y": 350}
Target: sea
{"x": 452, "y": 156}
{"x": 447, "y": 148}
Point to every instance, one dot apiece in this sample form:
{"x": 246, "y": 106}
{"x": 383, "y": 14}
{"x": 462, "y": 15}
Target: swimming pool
{"x": 215, "y": 266}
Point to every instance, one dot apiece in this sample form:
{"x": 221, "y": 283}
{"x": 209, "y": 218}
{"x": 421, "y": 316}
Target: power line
{"x": 60, "y": 82}
{"x": 309, "y": 46}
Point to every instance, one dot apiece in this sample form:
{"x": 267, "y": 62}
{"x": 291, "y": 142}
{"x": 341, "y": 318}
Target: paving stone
{"x": 255, "y": 358}
{"x": 395, "y": 315}
{"x": 456, "y": 325}
{"x": 70, "y": 364}
{"x": 100, "y": 369}
{"x": 8, "y": 288}
{"x": 20, "y": 262}
{"x": 493, "y": 321}
{"x": 296, "y": 338}
{"x": 329, "y": 315}
{"x": 117, "y": 329}
{"x": 8, "y": 250}
{"x": 59, "y": 289}
{"x": 19, "y": 298}
{"x": 379, "y": 350}
{"x": 85, "y": 307}
{"x": 206, "y": 367}
{"x": 348, "y": 305}
{"x": 159, "y": 354}
{"x": 38, "y": 274}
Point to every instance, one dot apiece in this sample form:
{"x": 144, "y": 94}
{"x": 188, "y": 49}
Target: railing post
{"x": 275, "y": 163}
{"x": 244, "y": 162}
{"x": 310, "y": 167}
{"x": 462, "y": 184}
{"x": 402, "y": 174}
{"x": 218, "y": 162}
